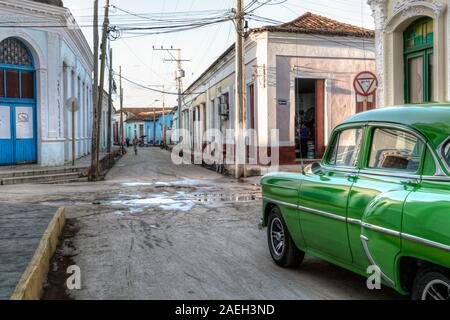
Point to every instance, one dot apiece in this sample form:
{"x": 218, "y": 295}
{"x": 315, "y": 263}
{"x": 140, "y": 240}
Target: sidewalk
{"x": 21, "y": 229}
{"x": 84, "y": 162}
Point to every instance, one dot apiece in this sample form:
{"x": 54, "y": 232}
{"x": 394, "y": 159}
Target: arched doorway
{"x": 418, "y": 51}
{"x": 18, "y": 143}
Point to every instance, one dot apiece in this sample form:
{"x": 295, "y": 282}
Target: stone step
{"x": 65, "y": 181}
{"x": 42, "y": 172}
{"x": 36, "y": 179}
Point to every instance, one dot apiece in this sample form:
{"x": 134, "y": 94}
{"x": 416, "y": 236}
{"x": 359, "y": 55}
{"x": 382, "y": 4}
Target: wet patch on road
{"x": 178, "y": 201}
{"x": 55, "y": 287}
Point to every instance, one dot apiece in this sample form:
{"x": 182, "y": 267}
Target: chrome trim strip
{"x": 339, "y": 169}
{"x": 436, "y": 178}
{"x": 383, "y": 173}
{"x": 381, "y": 229}
{"x": 426, "y": 242}
{"x": 354, "y": 221}
{"x": 286, "y": 204}
{"x": 364, "y": 225}
{"x": 323, "y": 214}
{"x": 364, "y": 241}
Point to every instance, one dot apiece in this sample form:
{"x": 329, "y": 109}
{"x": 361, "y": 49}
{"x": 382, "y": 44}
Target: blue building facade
{"x": 156, "y": 136}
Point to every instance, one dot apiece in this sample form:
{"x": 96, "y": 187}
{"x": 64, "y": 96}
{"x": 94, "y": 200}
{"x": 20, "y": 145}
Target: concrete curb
{"x": 32, "y": 280}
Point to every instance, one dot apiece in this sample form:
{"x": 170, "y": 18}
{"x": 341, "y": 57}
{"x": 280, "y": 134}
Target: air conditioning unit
{"x": 224, "y": 110}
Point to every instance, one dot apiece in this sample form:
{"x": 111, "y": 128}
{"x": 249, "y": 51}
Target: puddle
{"x": 168, "y": 184}
{"x": 137, "y": 184}
{"x": 178, "y": 201}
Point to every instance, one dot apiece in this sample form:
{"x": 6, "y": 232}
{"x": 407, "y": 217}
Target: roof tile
{"x": 310, "y": 23}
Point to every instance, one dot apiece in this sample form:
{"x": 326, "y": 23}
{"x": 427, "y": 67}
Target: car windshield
{"x": 446, "y": 151}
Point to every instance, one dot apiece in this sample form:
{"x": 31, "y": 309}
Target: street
{"x": 153, "y": 230}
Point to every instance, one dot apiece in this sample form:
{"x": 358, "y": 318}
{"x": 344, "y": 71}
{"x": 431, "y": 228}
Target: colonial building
{"x": 412, "y": 47}
{"x": 297, "y": 74}
{"x": 44, "y": 62}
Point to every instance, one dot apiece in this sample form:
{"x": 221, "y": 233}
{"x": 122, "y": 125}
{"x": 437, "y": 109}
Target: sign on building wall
{"x": 365, "y": 83}
{"x": 5, "y": 123}
{"x": 24, "y": 123}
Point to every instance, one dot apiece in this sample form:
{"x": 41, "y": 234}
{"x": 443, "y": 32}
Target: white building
{"x": 412, "y": 46}
{"x": 298, "y": 73}
{"x": 44, "y": 61}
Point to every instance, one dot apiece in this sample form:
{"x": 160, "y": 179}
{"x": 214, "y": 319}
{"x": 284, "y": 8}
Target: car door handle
{"x": 410, "y": 182}
{"x": 352, "y": 176}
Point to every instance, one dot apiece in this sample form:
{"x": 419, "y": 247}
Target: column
{"x": 86, "y": 117}
{"x": 379, "y": 14}
{"x": 71, "y": 86}
{"x": 78, "y": 119}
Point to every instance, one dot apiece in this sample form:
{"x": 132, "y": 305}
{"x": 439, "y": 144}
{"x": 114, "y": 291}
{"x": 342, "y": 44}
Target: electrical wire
{"x": 153, "y": 89}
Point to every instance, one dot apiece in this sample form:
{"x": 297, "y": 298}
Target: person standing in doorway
{"x": 305, "y": 135}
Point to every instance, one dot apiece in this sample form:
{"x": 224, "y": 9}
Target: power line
{"x": 153, "y": 89}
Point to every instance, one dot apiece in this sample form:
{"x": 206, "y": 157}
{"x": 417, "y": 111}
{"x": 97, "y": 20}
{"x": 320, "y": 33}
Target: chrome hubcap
{"x": 436, "y": 290}
{"x": 277, "y": 236}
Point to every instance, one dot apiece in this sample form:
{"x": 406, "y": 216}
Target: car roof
{"x": 432, "y": 120}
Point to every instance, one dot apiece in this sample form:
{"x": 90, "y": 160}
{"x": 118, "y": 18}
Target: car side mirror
{"x": 316, "y": 168}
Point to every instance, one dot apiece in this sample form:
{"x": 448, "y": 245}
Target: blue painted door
{"x": 6, "y": 135}
{"x": 25, "y": 134}
{"x": 18, "y": 134}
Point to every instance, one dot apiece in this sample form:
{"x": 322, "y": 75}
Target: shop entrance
{"x": 309, "y": 118}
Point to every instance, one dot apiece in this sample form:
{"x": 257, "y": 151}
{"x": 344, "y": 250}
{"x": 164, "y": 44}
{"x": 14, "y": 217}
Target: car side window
{"x": 395, "y": 150}
{"x": 345, "y": 149}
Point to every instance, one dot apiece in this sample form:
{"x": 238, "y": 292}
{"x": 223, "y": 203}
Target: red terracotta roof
{"x": 310, "y": 23}
{"x": 142, "y": 114}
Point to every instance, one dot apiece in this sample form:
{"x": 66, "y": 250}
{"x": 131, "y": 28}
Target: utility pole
{"x": 179, "y": 75}
{"x": 94, "y": 96}
{"x": 121, "y": 111}
{"x": 164, "y": 117}
{"x": 109, "y": 142}
{"x": 240, "y": 89}
{"x": 101, "y": 85}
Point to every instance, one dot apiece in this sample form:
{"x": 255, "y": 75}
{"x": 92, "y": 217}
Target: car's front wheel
{"x": 282, "y": 247}
{"x": 431, "y": 284}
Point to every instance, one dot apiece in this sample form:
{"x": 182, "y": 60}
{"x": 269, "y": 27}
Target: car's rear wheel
{"x": 431, "y": 284}
{"x": 282, "y": 247}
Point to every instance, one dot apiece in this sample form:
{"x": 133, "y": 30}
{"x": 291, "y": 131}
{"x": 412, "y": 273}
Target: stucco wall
{"x": 273, "y": 62}
{"x": 392, "y": 17}
{"x": 51, "y": 48}
{"x": 337, "y": 60}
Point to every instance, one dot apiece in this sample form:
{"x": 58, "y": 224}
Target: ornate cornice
{"x": 406, "y": 9}
{"x": 403, "y": 6}
{"x": 47, "y": 12}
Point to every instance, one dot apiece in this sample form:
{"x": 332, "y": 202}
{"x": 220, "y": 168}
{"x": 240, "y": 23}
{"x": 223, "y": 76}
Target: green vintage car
{"x": 379, "y": 199}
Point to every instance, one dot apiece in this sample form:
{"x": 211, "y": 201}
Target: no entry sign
{"x": 365, "y": 83}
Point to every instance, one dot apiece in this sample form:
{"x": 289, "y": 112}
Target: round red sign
{"x": 365, "y": 83}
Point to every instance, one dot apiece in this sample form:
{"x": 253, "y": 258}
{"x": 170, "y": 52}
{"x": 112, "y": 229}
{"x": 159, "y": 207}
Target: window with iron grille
{"x": 13, "y": 52}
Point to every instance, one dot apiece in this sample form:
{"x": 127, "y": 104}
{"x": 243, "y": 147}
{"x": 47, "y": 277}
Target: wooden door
{"x": 320, "y": 118}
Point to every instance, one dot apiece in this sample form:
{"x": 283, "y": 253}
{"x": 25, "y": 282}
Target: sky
{"x": 201, "y": 47}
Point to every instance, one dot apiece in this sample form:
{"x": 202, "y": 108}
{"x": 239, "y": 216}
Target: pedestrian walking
{"x": 135, "y": 145}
